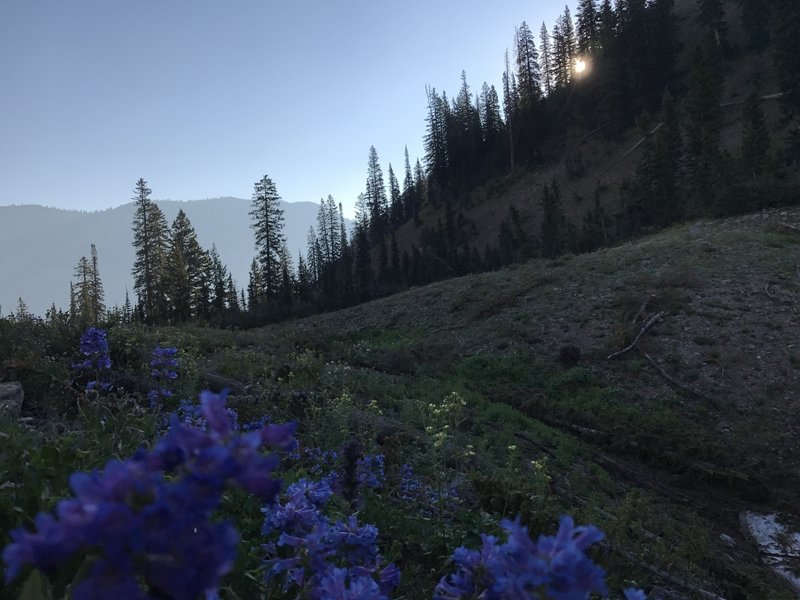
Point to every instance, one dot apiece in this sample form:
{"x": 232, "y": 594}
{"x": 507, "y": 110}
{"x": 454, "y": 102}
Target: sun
{"x": 580, "y": 66}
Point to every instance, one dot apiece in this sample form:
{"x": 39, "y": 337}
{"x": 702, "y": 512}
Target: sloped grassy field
{"x": 469, "y": 382}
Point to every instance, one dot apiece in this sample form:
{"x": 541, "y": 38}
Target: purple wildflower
{"x": 154, "y": 536}
{"x": 94, "y": 348}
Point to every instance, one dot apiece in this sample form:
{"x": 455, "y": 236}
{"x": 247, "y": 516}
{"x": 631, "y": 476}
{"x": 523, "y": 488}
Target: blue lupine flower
{"x": 163, "y": 370}
{"x": 153, "y": 536}
{"x": 554, "y": 565}
{"x": 308, "y": 553}
{"x": 94, "y": 347}
{"x": 370, "y": 471}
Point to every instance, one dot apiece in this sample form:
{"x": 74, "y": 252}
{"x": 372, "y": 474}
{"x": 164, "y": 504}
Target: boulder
{"x": 11, "y": 397}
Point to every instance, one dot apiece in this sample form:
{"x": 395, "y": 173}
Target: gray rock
{"x": 11, "y": 397}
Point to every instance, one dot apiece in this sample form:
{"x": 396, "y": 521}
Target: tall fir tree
{"x": 712, "y": 16}
{"x": 396, "y": 208}
{"x": 97, "y": 295}
{"x": 375, "y": 196}
{"x": 528, "y": 72}
{"x": 554, "y": 223}
{"x": 267, "y": 223}
{"x": 150, "y": 239}
{"x": 755, "y": 151}
{"x": 81, "y": 292}
{"x": 588, "y": 34}
{"x": 546, "y": 60}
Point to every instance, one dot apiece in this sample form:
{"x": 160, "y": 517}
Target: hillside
{"x": 667, "y": 445}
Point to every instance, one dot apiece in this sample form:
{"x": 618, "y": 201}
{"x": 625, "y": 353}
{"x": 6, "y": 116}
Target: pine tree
{"x": 703, "y": 112}
{"x": 267, "y": 217}
{"x": 588, "y": 28}
{"x": 255, "y": 287}
{"x": 231, "y": 296}
{"x": 554, "y": 224}
{"x": 755, "y": 137}
{"x": 563, "y": 49}
{"x": 510, "y": 108}
{"x": 97, "y": 296}
{"x": 187, "y": 265}
{"x": 546, "y": 62}
{"x": 375, "y": 197}
{"x": 410, "y": 204}
{"x": 712, "y": 16}
{"x": 787, "y": 62}
{"x": 396, "y": 208}
{"x": 82, "y": 294}
{"x": 528, "y": 74}
{"x": 435, "y": 142}
{"x": 150, "y": 238}
{"x": 654, "y": 197}
{"x": 218, "y": 275}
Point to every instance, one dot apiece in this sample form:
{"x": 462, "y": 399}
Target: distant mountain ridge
{"x": 40, "y": 246}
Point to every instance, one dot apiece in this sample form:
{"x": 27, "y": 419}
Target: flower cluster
{"x": 553, "y": 567}
{"x": 308, "y": 553}
{"x": 370, "y": 471}
{"x": 152, "y": 536}
{"x": 163, "y": 369}
{"x": 94, "y": 348}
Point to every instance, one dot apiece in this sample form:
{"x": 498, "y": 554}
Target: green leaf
{"x": 36, "y": 587}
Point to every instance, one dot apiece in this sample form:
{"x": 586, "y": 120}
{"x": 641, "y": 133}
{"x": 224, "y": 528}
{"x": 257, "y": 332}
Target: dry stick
{"x": 673, "y": 381}
{"x": 647, "y": 325}
{"x": 641, "y": 308}
{"x": 641, "y": 141}
{"x": 766, "y": 291}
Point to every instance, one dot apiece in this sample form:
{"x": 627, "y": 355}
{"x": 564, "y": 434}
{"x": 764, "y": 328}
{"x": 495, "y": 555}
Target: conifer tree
{"x": 375, "y": 197}
{"x": 81, "y": 291}
{"x": 703, "y": 112}
{"x": 712, "y": 16}
{"x": 97, "y": 296}
{"x": 528, "y": 73}
{"x": 255, "y": 287}
{"x": 187, "y": 269}
{"x": 314, "y": 254}
{"x": 218, "y": 275}
{"x": 409, "y": 190}
{"x": 787, "y": 63}
{"x": 554, "y": 224}
{"x": 267, "y": 217}
{"x": 587, "y": 17}
{"x": 231, "y": 296}
{"x": 546, "y": 59}
{"x": 435, "y": 142}
{"x": 396, "y": 209}
{"x": 510, "y": 108}
{"x": 755, "y": 136}
{"x": 150, "y": 238}
{"x": 563, "y": 49}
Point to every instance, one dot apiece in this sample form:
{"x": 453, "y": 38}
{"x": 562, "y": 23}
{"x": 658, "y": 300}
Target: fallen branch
{"x": 766, "y": 291}
{"x": 673, "y": 381}
{"x": 641, "y": 141}
{"x": 642, "y": 308}
{"x": 647, "y": 325}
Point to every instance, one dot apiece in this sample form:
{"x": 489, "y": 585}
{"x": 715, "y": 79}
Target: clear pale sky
{"x": 202, "y": 98}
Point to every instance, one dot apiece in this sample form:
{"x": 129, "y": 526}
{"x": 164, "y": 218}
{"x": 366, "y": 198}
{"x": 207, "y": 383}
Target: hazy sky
{"x": 202, "y": 98}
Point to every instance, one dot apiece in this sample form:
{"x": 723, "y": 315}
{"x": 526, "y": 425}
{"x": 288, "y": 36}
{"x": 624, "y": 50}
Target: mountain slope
{"x": 666, "y": 445}
{"x": 40, "y": 246}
